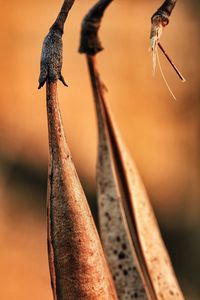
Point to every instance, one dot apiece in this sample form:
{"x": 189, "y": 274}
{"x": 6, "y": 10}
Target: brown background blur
{"x": 162, "y": 135}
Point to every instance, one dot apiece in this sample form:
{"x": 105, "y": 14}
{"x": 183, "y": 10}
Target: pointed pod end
{"x": 41, "y": 84}
{"x": 63, "y": 81}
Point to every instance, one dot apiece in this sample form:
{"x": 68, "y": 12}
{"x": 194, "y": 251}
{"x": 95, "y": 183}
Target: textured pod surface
{"x": 151, "y": 253}
{"x": 51, "y": 58}
{"x": 52, "y": 48}
{"x": 155, "y": 255}
{"x": 119, "y": 181}
{"x": 77, "y": 264}
{"x": 113, "y": 225}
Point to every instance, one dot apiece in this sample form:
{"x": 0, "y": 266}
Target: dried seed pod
{"x": 77, "y": 263}
{"x": 114, "y": 231}
{"x": 129, "y": 231}
{"x": 152, "y": 259}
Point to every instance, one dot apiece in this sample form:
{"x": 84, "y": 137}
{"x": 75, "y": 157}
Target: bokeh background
{"x": 162, "y": 135}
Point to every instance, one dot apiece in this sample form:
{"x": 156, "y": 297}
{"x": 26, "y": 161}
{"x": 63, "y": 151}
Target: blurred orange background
{"x": 163, "y": 135}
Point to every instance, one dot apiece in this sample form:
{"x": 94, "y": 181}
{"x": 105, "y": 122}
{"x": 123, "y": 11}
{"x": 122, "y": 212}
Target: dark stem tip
{"x": 160, "y": 17}
{"x": 90, "y": 43}
{"x": 164, "y": 12}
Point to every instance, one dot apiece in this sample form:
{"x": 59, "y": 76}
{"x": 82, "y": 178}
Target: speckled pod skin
{"x": 138, "y": 259}
{"x": 77, "y": 264}
{"x": 157, "y": 261}
{"x": 154, "y": 263}
{"x": 113, "y": 225}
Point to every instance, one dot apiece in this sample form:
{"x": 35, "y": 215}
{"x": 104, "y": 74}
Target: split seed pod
{"x": 137, "y": 257}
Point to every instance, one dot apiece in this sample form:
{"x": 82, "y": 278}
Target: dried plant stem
{"x": 165, "y": 11}
{"x": 62, "y": 16}
{"x": 77, "y": 264}
{"x": 159, "y": 20}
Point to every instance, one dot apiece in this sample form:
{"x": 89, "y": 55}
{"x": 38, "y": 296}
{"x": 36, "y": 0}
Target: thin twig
{"x": 62, "y": 16}
{"x": 171, "y": 63}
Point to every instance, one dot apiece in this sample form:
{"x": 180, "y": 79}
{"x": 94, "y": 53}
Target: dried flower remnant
{"x": 78, "y": 267}
{"x": 52, "y": 50}
{"x": 138, "y": 260}
{"x": 159, "y": 20}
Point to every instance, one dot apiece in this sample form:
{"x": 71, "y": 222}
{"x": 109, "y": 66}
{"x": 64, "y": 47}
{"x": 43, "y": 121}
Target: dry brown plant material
{"x": 78, "y": 267}
{"x": 138, "y": 259}
{"x": 159, "y": 21}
